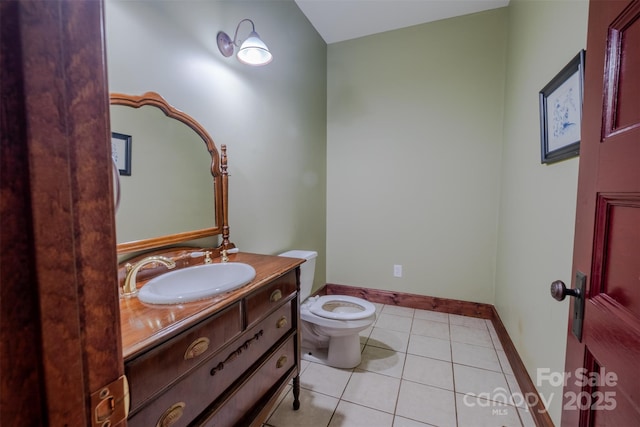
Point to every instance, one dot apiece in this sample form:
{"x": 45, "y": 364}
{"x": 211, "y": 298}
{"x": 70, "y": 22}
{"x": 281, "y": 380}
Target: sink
{"x": 196, "y": 283}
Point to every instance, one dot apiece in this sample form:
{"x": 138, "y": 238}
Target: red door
{"x": 602, "y": 372}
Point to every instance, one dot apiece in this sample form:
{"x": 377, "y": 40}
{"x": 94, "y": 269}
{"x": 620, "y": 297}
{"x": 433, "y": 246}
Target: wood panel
{"x": 616, "y": 249}
{"x": 534, "y": 401}
{"x": 242, "y": 400}
{"x": 622, "y": 97}
{"x": 60, "y": 151}
{"x": 271, "y": 296}
{"x": 20, "y": 366}
{"x": 607, "y": 222}
{"x": 146, "y": 380}
{"x": 463, "y": 308}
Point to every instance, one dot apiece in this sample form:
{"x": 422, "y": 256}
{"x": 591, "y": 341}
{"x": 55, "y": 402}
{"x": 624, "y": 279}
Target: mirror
{"x": 173, "y": 180}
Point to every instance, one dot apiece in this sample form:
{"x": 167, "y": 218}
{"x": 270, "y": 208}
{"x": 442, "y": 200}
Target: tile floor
{"x": 419, "y": 368}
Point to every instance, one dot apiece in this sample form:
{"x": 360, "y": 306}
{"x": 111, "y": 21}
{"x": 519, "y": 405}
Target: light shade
{"x": 253, "y": 50}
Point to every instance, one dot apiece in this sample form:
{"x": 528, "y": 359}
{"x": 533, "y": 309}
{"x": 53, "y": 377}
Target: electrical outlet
{"x": 397, "y": 270}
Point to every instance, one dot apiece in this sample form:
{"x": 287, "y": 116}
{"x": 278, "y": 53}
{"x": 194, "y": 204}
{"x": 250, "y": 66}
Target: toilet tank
{"x": 307, "y": 270}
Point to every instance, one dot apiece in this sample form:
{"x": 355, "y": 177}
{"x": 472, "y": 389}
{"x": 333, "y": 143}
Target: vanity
{"x": 219, "y": 361}
{"x": 222, "y": 361}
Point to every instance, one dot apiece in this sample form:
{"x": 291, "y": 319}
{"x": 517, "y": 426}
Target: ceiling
{"x": 339, "y": 20}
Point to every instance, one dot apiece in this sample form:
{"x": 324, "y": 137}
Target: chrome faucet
{"x": 129, "y": 288}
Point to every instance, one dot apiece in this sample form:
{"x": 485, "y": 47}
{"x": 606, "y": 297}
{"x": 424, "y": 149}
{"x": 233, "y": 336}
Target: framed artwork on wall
{"x": 121, "y": 152}
{"x": 561, "y": 112}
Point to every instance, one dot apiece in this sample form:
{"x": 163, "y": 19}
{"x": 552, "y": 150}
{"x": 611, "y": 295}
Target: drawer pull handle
{"x": 282, "y": 322}
{"x": 275, "y": 295}
{"x": 196, "y": 348}
{"x": 281, "y": 362}
{"x": 236, "y": 352}
{"x": 171, "y": 415}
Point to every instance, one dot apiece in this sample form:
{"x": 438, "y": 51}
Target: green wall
{"x": 272, "y": 118}
{"x": 537, "y": 209}
{"x": 414, "y": 144}
{"x": 434, "y": 163}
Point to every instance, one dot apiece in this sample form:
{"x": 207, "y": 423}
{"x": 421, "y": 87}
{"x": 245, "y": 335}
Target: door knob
{"x": 559, "y": 291}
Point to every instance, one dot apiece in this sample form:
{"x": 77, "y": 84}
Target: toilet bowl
{"x": 330, "y": 324}
{"x": 341, "y": 307}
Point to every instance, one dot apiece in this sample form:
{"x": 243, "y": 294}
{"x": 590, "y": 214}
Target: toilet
{"x": 330, "y": 324}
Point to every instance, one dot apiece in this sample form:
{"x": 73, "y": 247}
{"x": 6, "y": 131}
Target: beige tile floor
{"x": 419, "y": 368}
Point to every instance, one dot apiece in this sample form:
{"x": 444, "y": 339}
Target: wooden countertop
{"x": 145, "y": 325}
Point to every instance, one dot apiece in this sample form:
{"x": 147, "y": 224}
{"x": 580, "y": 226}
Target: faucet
{"x": 129, "y": 288}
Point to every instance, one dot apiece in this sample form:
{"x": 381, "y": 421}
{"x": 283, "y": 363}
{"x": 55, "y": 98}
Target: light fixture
{"x": 253, "y": 51}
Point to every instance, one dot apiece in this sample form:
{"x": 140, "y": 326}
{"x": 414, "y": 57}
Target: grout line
{"x": 404, "y": 364}
{"x": 453, "y": 374}
{"x": 403, "y": 380}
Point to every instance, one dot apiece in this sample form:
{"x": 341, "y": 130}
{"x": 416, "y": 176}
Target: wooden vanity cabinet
{"x": 228, "y": 369}
{"x": 156, "y": 369}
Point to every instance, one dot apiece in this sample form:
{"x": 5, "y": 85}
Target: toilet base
{"x": 317, "y": 355}
{"x": 343, "y": 352}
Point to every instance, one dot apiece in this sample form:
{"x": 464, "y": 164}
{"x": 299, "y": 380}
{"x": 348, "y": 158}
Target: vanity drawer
{"x": 226, "y": 367}
{"x": 191, "y": 395}
{"x": 261, "y": 302}
{"x": 243, "y": 399}
{"x": 152, "y": 372}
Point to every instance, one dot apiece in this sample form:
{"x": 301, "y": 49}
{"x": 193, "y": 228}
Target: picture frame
{"x": 561, "y": 112}
{"x": 121, "y": 152}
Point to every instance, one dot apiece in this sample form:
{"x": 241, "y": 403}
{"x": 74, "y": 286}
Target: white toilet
{"x": 330, "y": 324}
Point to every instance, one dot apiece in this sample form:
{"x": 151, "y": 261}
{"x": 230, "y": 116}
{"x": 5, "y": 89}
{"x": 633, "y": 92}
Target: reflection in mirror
{"x": 174, "y": 193}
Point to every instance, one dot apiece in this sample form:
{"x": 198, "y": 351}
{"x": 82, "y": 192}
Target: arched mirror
{"x": 173, "y": 180}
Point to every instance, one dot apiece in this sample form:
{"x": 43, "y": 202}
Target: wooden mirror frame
{"x": 218, "y": 172}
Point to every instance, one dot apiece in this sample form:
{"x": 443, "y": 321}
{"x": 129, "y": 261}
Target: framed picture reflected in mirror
{"x": 121, "y": 152}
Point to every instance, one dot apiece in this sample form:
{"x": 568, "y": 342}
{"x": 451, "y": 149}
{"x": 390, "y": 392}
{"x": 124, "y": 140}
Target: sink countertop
{"x": 144, "y": 325}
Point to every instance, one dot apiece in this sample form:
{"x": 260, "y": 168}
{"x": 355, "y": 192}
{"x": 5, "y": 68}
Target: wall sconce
{"x": 253, "y": 51}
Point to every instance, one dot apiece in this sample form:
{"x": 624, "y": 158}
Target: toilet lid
{"x": 342, "y": 307}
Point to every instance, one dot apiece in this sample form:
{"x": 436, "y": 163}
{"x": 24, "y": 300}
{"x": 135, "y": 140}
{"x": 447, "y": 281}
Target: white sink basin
{"x": 196, "y": 283}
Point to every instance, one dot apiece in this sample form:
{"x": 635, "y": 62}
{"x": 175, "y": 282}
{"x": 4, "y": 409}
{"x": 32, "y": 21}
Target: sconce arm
{"x": 235, "y": 36}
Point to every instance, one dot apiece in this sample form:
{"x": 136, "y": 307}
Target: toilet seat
{"x": 335, "y": 325}
{"x": 341, "y": 307}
